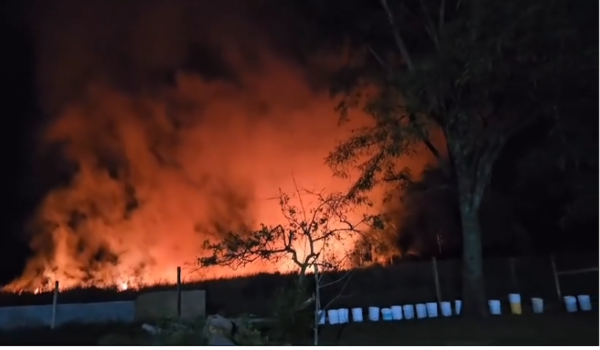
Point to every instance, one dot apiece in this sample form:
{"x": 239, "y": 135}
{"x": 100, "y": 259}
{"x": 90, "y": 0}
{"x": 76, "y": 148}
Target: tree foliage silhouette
{"x": 478, "y": 72}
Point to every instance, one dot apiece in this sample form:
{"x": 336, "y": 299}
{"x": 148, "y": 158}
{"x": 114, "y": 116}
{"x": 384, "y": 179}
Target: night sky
{"x": 39, "y": 82}
{"x": 21, "y": 114}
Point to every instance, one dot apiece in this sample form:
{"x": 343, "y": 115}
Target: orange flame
{"x": 164, "y": 167}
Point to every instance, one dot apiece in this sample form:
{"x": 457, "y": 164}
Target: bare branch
{"x": 340, "y": 294}
{"x": 397, "y": 37}
{"x": 325, "y": 222}
{"x": 385, "y": 67}
{"x": 429, "y": 26}
{"x": 299, "y": 197}
{"x": 347, "y": 274}
{"x": 442, "y": 16}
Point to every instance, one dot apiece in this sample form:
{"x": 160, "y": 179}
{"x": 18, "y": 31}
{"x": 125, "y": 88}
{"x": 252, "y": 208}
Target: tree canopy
{"x": 480, "y": 72}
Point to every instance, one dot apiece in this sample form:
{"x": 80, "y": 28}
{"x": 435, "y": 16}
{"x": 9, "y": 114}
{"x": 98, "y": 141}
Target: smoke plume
{"x": 181, "y": 119}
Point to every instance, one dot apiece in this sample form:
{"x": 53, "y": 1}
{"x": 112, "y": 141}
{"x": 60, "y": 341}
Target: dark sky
{"x": 20, "y": 114}
{"x": 97, "y": 56}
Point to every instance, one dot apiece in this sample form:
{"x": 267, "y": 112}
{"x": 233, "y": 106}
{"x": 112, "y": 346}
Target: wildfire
{"x": 123, "y": 286}
{"x": 163, "y": 167}
{"x": 124, "y": 282}
{"x": 38, "y": 290}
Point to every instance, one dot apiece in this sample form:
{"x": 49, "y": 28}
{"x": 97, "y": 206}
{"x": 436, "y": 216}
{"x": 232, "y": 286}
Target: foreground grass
{"x": 547, "y": 329}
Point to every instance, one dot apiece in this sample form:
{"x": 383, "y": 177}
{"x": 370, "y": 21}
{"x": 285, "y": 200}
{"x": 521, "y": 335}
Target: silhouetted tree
{"x": 306, "y": 239}
{"x": 479, "y": 72}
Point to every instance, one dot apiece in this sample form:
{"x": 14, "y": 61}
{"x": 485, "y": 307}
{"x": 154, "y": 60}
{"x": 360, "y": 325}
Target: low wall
{"x": 41, "y": 315}
{"x": 146, "y": 306}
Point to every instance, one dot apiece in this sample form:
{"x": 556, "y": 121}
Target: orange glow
{"x": 165, "y": 167}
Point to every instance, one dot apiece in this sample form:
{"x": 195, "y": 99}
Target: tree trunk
{"x": 318, "y": 310}
{"x": 473, "y": 168}
{"x": 317, "y": 314}
{"x": 473, "y": 283}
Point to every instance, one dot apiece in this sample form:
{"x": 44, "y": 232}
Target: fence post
{"x": 179, "y": 292}
{"x": 513, "y": 274}
{"x": 556, "y": 280}
{"x": 438, "y": 292}
{"x": 54, "y": 303}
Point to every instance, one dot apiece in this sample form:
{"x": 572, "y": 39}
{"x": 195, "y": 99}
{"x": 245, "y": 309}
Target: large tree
{"x": 478, "y": 71}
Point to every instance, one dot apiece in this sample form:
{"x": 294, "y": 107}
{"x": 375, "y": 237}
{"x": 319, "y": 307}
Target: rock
{"x": 150, "y": 329}
{"x": 219, "y": 329}
{"x": 218, "y": 324}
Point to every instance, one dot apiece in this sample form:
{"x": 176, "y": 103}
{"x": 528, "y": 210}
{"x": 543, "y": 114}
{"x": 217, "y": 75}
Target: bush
{"x": 247, "y": 334}
{"x": 172, "y": 332}
{"x": 175, "y": 332}
{"x": 292, "y": 321}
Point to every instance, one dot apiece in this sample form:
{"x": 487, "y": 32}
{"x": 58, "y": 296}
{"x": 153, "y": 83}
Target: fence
{"x": 406, "y": 282}
{"x": 570, "y": 272}
{"x": 413, "y": 282}
{"x": 56, "y": 314}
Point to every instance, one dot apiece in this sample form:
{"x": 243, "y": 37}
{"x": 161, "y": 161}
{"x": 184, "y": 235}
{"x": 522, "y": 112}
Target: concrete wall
{"x": 156, "y": 305}
{"x": 41, "y": 315}
{"x": 146, "y": 306}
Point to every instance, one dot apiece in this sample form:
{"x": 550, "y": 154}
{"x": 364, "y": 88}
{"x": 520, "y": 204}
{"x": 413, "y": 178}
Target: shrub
{"x": 292, "y": 321}
{"x": 247, "y": 334}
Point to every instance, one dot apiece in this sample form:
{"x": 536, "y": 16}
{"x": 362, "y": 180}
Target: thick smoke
{"x": 181, "y": 121}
